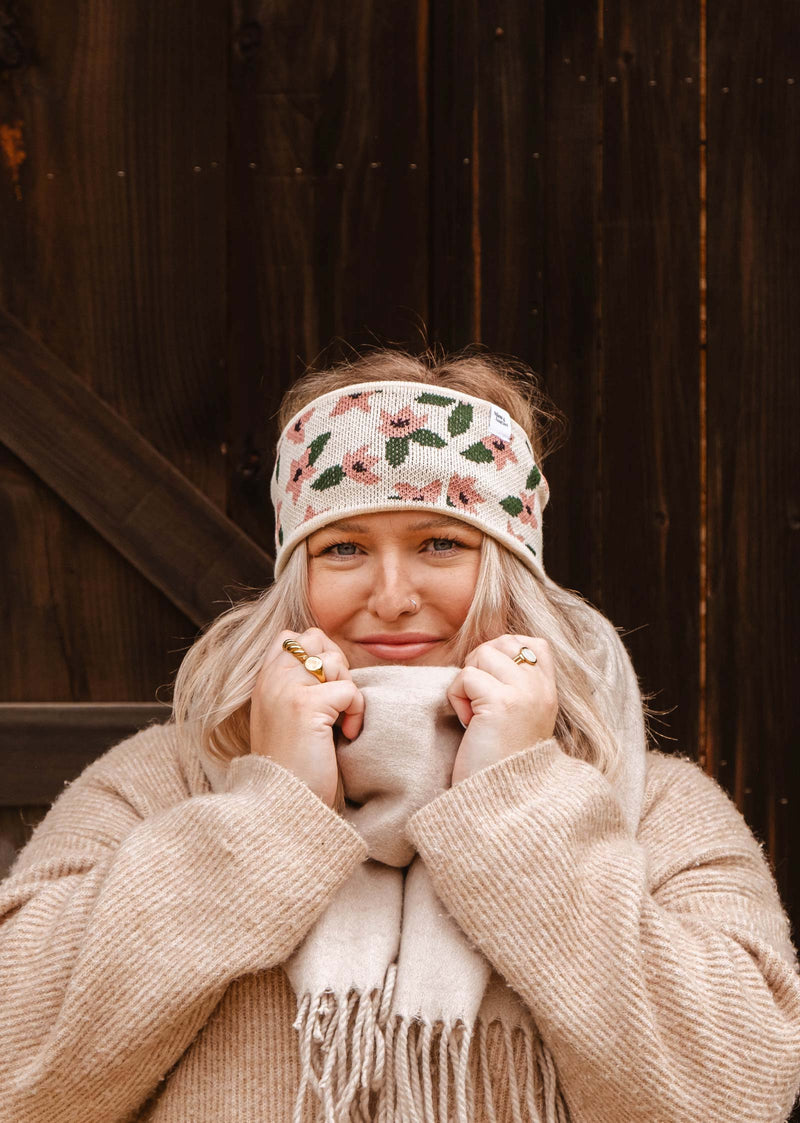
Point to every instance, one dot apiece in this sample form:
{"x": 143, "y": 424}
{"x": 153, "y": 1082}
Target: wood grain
{"x": 488, "y": 136}
{"x": 649, "y": 413}
{"x": 328, "y": 204}
{"x": 113, "y": 477}
{"x": 112, "y": 238}
{"x": 754, "y": 405}
{"x": 16, "y": 827}
{"x": 80, "y": 614}
{"x": 572, "y": 363}
{"x": 42, "y": 747}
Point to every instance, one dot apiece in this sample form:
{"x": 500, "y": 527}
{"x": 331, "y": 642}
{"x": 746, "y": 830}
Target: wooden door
{"x": 199, "y": 199}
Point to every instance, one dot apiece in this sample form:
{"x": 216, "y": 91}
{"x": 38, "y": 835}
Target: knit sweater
{"x": 143, "y": 929}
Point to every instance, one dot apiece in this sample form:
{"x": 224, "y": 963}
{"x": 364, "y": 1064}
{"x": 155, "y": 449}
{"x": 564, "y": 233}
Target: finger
{"x": 499, "y": 663}
{"x": 543, "y": 652}
{"x": 330, "y": 699}
{"x": 459, "y": 700}
{"x": 334, "y": 662}
{"x": 474, "y": 687}
{"x": 316, "y": 641}
{"x": 353, "y": 718}
{"x": 511, "y": 645}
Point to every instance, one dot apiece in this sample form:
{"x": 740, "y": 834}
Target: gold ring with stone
{"x": 312, "y": 663}
{"x": 525, "y": 655}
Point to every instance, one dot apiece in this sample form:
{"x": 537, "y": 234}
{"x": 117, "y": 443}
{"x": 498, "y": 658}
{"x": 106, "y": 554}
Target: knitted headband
{"x": 397, "y": 446}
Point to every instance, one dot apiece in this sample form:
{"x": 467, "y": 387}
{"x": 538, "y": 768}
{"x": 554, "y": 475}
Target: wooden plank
{"x": 753, "y": 407}
{"x": 113, "y": 243}
{"x": 117, "y": 481}
{"x": 328, "y": 207}
{"x": 649, "y": 397}
{"x": 43, "y": 746}
{"x": 118, "y": 232}
{"x": 487, "y": 78}
{"x": 89, "y": 626}
{"x": 572, "y": 364}
{"x": 16, "y": 827}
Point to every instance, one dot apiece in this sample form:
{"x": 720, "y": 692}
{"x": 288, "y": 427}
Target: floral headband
{"x": 398, "y": 446}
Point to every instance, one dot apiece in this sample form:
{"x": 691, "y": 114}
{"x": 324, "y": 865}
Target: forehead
{"x": 398, "y": 522}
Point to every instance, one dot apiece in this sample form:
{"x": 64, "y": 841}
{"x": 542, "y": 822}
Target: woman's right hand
{"x": 292, "y": 714}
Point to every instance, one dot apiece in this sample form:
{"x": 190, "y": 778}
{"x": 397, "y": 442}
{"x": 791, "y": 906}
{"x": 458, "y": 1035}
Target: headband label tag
{"x": 499, "y": 423}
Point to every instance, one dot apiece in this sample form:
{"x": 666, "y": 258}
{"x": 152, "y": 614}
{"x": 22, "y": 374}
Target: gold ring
{"x": 525, "y": 655}
{"x": 312, "y": 663}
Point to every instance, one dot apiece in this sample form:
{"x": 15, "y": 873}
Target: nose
{"x": 391, "y": 590}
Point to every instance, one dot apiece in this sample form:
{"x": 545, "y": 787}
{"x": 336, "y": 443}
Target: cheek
{"x": 332, "y": 599}
{"x": 454, "y": 596}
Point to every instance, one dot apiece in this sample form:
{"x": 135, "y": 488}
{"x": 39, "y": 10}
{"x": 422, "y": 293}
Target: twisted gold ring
{"x": 525, "y": 655}
{"x": 312, "y": 663}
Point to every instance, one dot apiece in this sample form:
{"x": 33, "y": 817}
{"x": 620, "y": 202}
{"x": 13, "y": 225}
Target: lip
{"x": 399, "y": 646}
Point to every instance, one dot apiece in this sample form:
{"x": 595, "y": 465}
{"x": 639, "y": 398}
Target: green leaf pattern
{"x": 316, "y": 447}
{"x": 459, "y": 420}
{"x": 329, "y": 478}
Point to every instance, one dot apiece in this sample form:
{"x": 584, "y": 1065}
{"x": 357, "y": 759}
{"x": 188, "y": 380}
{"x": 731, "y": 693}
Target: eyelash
{"x": 437, "y": 553}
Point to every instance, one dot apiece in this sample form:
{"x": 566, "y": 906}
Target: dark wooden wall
{"x": 199, "y": 198}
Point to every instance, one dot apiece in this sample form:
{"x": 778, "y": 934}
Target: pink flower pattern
{"x": 312, "y": 514}
{"x": 501, "y": 451}
{"x": 297, "y": 433}
{"x": 358, "y": 466}
{"x": 428, "y": 494}
{"x": 513, "y": 532}
{"x": 462, "y": 494}
{"x": 527, "y": 514}
{"x": 402, "y": 423}
{"x": 300, "y": 471}
{"x": 353, "y": 401}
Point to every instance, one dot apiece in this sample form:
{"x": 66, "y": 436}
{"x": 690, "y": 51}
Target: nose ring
{"x": 414, "y": 604}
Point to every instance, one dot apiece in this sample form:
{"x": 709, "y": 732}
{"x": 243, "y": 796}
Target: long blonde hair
{"x": 211, "y": 704}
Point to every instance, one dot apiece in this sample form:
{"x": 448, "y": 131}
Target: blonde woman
{"x": 402, "y": 853}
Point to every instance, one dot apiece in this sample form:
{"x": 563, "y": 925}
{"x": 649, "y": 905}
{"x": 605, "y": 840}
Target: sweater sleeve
{"x": 657, "y": 968}
{"x": 130, "y": 911}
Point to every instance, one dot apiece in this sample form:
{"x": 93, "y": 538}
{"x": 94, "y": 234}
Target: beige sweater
{"x": 143, "y": 928}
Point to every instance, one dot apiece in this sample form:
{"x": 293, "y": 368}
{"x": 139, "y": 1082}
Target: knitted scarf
{"x": 390, "y": 993}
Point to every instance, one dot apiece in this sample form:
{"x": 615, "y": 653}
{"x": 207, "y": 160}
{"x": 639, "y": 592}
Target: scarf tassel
{"x": 361, "y": 1066}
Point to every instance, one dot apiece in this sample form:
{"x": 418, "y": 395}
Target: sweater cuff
{"x": 295, "y": 810}
{"x": 488, "y": 803}
{"x": 490, "y": 790}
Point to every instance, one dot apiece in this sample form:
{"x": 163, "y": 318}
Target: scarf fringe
{"x": 361, "y": 1066}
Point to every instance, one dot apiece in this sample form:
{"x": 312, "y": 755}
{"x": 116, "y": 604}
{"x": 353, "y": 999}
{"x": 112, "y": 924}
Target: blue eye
{"x": 442, "y": 545}
{"x": 341, "y": 549}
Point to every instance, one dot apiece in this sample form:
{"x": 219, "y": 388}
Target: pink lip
{"x": 393, "y": 647}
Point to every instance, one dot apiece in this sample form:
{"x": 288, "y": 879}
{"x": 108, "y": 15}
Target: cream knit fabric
{"x": 143, "y": 930}
{"x": 399, "y": 446}
{"x": 386, "y": 980}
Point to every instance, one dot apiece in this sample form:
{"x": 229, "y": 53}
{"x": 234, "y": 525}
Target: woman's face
{"x": 365, "y": 570}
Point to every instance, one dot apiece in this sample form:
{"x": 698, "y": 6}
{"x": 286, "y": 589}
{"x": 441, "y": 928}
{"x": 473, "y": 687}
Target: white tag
{"x": 499, "y": 423}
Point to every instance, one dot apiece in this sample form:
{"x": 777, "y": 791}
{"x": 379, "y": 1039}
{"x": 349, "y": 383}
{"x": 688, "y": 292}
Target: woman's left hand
{"x": 506, "y": 706}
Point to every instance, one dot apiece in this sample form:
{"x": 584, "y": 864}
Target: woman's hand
{"x": 506, "y": 706}
{"x": 292, "y": 714}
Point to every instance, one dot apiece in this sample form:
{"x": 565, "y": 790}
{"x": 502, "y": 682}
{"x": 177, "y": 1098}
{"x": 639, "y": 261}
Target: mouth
{"x": 401, "y": 646}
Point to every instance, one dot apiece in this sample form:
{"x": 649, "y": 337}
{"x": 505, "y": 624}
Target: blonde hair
{"x": 211, "y": 703}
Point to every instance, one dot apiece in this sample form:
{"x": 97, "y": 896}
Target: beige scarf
{"x": 386, "y": 981}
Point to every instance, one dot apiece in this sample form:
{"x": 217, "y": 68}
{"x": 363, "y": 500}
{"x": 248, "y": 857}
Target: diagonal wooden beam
{"x": 111, "y": 475}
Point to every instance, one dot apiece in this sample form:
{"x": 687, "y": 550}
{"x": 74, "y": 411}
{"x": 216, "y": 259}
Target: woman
{"x": 401, "y": 854}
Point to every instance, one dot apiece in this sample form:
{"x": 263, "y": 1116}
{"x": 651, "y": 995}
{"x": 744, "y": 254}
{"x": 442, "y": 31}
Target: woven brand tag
{"x": 500, "y": 423}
